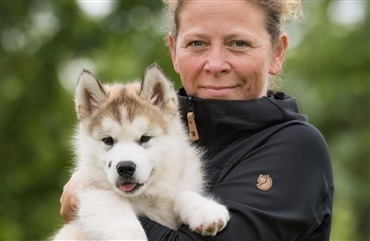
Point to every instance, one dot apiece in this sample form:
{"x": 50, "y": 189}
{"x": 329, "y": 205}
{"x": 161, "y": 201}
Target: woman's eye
{"x": 240, "y": 44}
{"x": 196, "y": 43}
{"x": 108, "y": 141}
{"x": 144, "y": 139}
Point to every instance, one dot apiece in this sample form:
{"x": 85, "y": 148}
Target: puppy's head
{"x": 123, "y": 127}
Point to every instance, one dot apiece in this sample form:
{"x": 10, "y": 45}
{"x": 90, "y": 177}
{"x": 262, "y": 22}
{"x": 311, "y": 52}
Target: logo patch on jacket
{"x": 264, "y": 182}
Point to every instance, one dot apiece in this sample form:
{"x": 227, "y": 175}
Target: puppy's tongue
{"x": 127, "y": 187}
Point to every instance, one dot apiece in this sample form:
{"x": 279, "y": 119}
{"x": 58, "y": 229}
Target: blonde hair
{"x": 276, "y": 12}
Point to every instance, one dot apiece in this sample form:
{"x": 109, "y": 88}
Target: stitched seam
{"x": 281, "y": 110}
{"x": 316, "y": 214}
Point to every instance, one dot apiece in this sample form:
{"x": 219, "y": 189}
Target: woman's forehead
{"x": 216, "y": 10}
{"x": 233, "y": 16}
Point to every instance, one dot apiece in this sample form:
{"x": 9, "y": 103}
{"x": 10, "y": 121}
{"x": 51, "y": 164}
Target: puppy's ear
{"x": 89, "y": 94}
{"x": 158, "y": 89}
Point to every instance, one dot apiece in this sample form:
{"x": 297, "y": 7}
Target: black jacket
{"x": 246, "y": 139}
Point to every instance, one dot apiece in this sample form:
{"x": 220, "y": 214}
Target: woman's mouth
{"x": 217, "y": 91}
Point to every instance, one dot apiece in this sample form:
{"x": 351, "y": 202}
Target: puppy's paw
{"x": 209, "y": 219}
{"x": 202, "y": 214}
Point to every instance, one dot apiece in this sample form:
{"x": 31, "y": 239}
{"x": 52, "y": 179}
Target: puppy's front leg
{"x": 203, "y": 215}
{"x": 106, "y": 216}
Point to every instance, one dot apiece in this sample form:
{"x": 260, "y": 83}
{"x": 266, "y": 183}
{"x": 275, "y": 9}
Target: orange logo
{"x": 264, "y": 182}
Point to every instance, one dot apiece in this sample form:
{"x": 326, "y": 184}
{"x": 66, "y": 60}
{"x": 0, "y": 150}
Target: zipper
{"x": 193, "y": 132}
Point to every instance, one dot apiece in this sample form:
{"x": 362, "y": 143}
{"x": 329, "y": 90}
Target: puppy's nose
{"x": 126, "y": 168}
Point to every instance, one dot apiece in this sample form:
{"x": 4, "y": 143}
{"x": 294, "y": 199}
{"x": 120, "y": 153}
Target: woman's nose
{"x": 217, "y": 63}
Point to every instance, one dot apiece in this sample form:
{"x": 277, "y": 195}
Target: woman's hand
{"x": 68, "y": 200}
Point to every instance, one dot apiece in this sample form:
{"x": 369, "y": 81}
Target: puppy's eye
{"x": 108, "y": 141}
{"x": 144, "y": 139}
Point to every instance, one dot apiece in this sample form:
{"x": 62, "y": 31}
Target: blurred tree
{"x": 329, "y": 72}
{"x": 45, "y": 45}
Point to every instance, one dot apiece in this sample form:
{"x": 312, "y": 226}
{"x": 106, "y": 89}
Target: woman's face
{"x": 223, "y": 50}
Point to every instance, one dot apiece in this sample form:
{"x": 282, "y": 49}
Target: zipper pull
{"x": 193, "y": 132}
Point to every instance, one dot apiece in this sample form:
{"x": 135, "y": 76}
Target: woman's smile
{"x": 212, "y": 91}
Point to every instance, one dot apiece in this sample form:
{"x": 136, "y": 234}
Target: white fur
{"x": 167, "y": 166}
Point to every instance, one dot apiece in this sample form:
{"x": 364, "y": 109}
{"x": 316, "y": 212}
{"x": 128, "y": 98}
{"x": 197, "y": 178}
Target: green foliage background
{"x": 45, "y": 45}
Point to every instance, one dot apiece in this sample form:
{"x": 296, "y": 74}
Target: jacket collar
{"x": 219, "y": 122}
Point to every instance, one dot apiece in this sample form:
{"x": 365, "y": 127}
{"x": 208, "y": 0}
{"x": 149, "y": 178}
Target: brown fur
{"x": 126, "y": 96}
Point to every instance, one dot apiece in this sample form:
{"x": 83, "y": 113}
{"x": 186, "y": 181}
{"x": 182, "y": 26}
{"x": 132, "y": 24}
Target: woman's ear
{"x": 172, "y": 45}
{"x": 279, "y": 49}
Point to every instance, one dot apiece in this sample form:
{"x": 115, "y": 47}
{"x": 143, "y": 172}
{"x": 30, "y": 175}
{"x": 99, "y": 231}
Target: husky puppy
{"x": 135, "y": 159}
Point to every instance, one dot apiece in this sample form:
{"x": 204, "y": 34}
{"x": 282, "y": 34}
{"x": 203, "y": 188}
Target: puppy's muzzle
{"x": 126, "y": 169}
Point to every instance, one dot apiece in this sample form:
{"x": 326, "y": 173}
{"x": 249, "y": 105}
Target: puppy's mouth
{"x": 129, "y": 187}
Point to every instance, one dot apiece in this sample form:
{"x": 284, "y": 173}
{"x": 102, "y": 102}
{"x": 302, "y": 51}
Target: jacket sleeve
{"x": 296, "y": 207}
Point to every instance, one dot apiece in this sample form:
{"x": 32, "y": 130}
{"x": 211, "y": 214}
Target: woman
{"x": 265, "y": 162}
